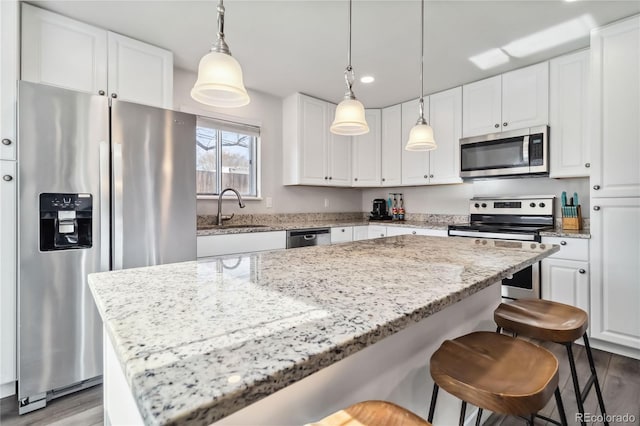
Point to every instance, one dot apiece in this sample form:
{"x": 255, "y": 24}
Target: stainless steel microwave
{"x": 516, "y": 152}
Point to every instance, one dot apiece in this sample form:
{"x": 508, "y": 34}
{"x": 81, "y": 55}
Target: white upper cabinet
{"x": 339, "y": 155}
{"x": 482, "y": 107}
{"x": 8, "y": 78}
{"x": 366, "y": 152}
{"x": 139, "y": 72}
{"x": 415, "y": 164}
{"x": 63, "y": 52}
{"x": 312, "y": 155}
{"x": 510, "y": 101}
{"x": 568, "y": 120}
{"x": 525, "y": 97}
{"x": 445, "y": 112}
{"x": 392, "y": 146}
{"x": 615, "y": 123}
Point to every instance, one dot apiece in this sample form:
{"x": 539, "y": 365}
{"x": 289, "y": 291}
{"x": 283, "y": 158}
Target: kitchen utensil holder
{"x": 574, "y": 218}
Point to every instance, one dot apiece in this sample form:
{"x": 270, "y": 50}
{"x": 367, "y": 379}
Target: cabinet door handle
{"x": 101, "y": 92}
{"x": 587, "y": 165}
{"x": 496, "y": 126}
{"x": 326, "y": 177}
{"x": 356, "y": 179}
{"x": 505, "y": 124}
{"x": 430, "y": 176}
{"x": 6, "y": 142}
{"x": 414, "y": 232}
{"x": 596, "y": 208}
{"x": 596, "y": 187}
{"x": 330, "y": 177}
{"x": 342, "y": 229}
{"x": 7, "y": 178}
{"x": 382, "y": 235}
{"x": 114, "y": 95}
{"x": 383, "y": 179}
{"x": 582, "y": 271}
{"x": 426, "y": 176}
{"x": 563, "y": 243}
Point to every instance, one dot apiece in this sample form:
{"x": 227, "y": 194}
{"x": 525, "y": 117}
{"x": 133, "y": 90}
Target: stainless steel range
{"x": 511, "y": 218}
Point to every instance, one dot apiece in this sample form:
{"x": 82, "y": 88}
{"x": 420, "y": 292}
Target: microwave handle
{"x": 525, "y": 149}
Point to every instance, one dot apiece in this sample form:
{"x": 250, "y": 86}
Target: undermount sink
{"x": 231, "y": 226}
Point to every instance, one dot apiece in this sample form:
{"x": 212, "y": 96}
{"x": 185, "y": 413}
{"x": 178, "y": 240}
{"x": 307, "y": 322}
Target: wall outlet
{"x": 326, "y": 203}
{"x": 269, "y": 201}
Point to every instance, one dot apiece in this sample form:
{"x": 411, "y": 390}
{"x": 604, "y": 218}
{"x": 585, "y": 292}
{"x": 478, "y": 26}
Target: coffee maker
{"x": 379, "y": 211}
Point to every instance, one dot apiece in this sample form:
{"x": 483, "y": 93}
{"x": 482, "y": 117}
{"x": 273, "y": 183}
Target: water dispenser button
{"x": 65, "y": 228}
{"x": 66, "y": 214}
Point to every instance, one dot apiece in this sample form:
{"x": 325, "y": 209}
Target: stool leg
{"x": 560, "y": 406}
{"x": 499, "y": 330}
{"x": 576, "y": 385}
{"x": 432, "y": 407}
{"x": 463, "y": 413}
{"x": 532, "y": 419}
{"x": 595, "y": 379}
{"x": 479, "y": 417}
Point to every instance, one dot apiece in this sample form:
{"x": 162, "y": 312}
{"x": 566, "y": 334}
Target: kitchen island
{"x": 286, "y": 337}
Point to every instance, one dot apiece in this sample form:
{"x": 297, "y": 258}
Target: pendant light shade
{"x": 219, "y": 80}
{"x": 421, "y": 138}
{"x": 421, "y": 135}
{"x": 350, "y": 119}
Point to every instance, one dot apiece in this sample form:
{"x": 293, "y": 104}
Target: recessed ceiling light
{"x": 367, "y": 79}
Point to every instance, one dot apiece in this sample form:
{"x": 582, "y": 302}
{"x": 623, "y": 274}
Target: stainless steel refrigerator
{"x": 103, "y": 184}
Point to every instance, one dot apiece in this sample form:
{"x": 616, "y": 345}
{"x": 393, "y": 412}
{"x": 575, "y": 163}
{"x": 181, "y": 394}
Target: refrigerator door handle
{"x": 118, "y": 243}
{"x": 104, "y": 206}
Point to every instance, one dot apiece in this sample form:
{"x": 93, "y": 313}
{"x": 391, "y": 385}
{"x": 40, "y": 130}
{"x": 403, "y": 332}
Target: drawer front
{"x": 377, "y": 231}
{"x": 343, "y": 234}
{"x": 570, "y": 248}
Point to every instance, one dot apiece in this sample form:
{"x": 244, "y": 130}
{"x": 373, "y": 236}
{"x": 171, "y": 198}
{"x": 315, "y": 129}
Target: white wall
{"x": 453, "y": 199}
{"x": 266, "y": 111}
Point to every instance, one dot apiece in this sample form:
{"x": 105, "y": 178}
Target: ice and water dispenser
{"x": 65, "y": 221}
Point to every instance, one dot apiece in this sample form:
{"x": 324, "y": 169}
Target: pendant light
{"x": 421, "y": 135}
{"x": 349, "y": 119}
{"x": 219, "y": 80}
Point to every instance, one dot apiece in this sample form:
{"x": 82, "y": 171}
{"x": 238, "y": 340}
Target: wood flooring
{"x": 619, "y": 377}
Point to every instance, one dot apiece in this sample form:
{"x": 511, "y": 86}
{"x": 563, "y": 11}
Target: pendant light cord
{"x": 422, "y": 62}
{"x": 220, "y": 45}
{"x": 349, "y": 75}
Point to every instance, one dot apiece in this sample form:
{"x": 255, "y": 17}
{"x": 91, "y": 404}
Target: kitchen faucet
{"x": 240, "y": 203}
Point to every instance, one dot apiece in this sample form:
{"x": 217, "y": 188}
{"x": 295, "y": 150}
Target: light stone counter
{"x": 198, "y": 341}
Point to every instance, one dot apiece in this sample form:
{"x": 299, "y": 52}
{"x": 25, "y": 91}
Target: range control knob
{"x": 484, "y": 205}
{"x": 476, "y": 205}
{"x": 542, "y": 204}
{"x": 532, "y": 205}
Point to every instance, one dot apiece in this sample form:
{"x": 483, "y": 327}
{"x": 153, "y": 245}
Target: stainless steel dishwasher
{"x": 308, "y": 237}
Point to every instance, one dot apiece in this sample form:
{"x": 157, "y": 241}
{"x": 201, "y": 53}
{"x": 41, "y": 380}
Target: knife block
{"x": 574, "y": 222}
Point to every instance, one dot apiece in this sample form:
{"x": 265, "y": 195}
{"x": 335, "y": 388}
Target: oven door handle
{"x": 496, "y": 235}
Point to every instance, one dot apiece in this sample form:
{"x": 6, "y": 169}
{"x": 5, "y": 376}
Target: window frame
{"x": 255, "y": 156}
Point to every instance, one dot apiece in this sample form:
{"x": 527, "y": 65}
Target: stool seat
{"x": 542, "y": 319}
{"x": 373, "y": 413}
{"x": 496, "y": 372}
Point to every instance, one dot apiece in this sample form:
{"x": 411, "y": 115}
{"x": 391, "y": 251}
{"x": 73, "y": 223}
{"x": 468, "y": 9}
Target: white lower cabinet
{"x": 8, "y": 248}
{"x": 217, "y": 245}
{"x": 615, "y": 271}
{"x": 343, "y": 234}
{"x": 360, "y": 232}
{"x": 566, "y": 281}
{"x": 401, "y": 230}
{"x": 565, "y": 274}
{"x": 376, "y": 231}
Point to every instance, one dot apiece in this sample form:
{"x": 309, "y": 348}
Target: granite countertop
{"x": 201, "y": 340}
{"x": 567, "y": 233}
{"x": 283, "y": 226}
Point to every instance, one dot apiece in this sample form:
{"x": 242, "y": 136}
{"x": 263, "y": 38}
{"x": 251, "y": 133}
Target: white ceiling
{"x": 300, "y": 46}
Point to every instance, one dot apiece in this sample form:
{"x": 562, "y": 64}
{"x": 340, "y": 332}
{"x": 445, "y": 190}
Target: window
{"x": 226, "y": 157}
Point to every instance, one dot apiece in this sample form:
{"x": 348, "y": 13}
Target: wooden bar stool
{"x": 372, "y": 413}
{"x": 497, "y": 373}
{"x": 553, "y": 322}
